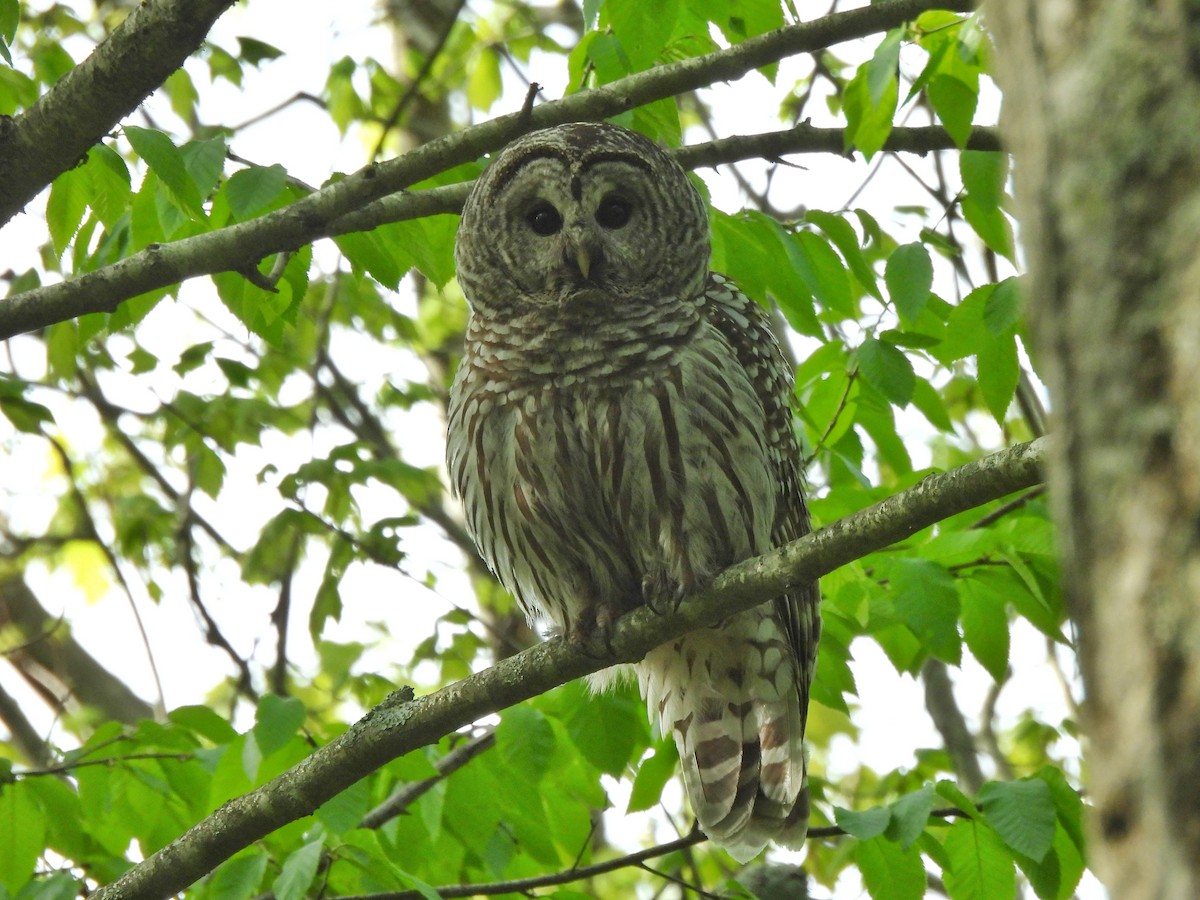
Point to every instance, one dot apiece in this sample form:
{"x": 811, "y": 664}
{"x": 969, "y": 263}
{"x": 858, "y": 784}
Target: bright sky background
{"x": 312, "y": 34}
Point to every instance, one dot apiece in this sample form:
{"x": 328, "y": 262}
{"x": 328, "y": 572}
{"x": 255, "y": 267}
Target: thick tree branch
{"x": 56, "y": 132}
{"x": 240, "y": 247}
{"x": 53, "y": 651}
{"x": 402, "y": 724}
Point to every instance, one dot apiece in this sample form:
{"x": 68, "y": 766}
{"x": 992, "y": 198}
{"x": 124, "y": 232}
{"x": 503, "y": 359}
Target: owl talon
{"x": 662, "y": 594}
{"x": 599, "y": 622}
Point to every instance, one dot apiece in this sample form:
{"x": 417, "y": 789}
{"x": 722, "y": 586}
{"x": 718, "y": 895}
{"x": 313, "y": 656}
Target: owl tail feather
{"x": 740, "y": 741}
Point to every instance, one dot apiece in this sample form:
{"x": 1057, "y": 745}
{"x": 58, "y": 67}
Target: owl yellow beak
{"x": 583, "y": 259}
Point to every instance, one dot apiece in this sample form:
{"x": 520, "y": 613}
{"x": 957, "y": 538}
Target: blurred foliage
{"x": 251, "y": 452}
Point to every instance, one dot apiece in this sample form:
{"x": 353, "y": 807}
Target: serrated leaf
{"x": 909, "y": 279}
{"x": 883, "y": 65}
{"x": 69, "y": 197}
{"x": 254, "y": 51}
{"x": 252, "y": 190}
{"x": 652, "y": 775}
{"x": 980, "y": 865}
{"x": 925, "y": 598}
{"x": 525, "y": 740}
{"x": 951, "y": 792}
{"x": 607, "y": 729}
{"x": 165, "y": 160}
{"x": 999, "y": 371}
{"x": 1023, "y": 814}
{"x": 239, "y": 877}
{"x": 299, "y": 870}
{"x": 910, "y": 815}
{"x": 345, "y": 809}
{"x": 278, "y": 720}
{"x": 842, "y": 234}
{"x": 869, "y": 121}
{"x": 484, "y": 84}
{"x": 642, "y": 28}
{"x": 863, "y": 824}
{"x": 889, "y": 871}
{"x": 985, "y": 626}
{"x": 954, "y": 102}
{"x": 22, "y": 835}
{"x": 1003, "y": 307}
{"x": 887, "y": 369}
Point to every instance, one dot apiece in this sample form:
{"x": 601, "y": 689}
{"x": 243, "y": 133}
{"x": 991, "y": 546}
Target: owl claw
{"x": 661, "y": 593}
{"x": 599, "y": 622}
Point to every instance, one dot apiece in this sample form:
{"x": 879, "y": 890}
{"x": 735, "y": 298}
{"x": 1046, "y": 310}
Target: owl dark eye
{"x": 544, "y": 219}
{"x": 613, "y": 212}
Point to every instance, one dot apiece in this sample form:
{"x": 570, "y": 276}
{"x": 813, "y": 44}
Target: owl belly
{"x": 589, "y": 497}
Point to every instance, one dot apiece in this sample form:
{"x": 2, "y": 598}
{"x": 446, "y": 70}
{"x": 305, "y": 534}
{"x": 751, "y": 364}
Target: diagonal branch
{"x": 57, "y": 131}
{"x": 239, "y": 247}
{"x": 401, "y": 724}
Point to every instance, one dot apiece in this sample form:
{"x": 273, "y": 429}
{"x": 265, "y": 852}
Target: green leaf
{"x": 203, "y": 721}
{"x": 642, "y": 28}
{"x": 299, "y": 870}
{"x": 204, "y": 160}
{"x": 22, "y": 835}
{"x": 652, "y": 775}
{"x": 254, "y": 51}
{"x": 868, "y": 120}
{"x": 111, "y": 192}
{"x": 889, "y": 871}
{"x": 985, "y": 626}
{"x": 24, "y": 414}
{"x": 252, "y": 190}
{"x": 607, "y": 728}
{"x": 998, "y": 373}
{"x": 926, "y": 600}
{"x": 980, "y": 865}
{"x": 165, "y": 161}
{"x": 841, "y": 233}
{"x": 278, "y": 720}
{"x": 525, "y": 740}
{"x": 345, "y": 810}
{"x": 909, "y": 279}
{"x": 863, "y": 824}
{"x": 239, "y": 877}
{"x": 1023, "y": 814}
{"x": 910, "y": 815}
{"x": 954, "y": 102}
{"x": 983, "y": 174}
{"x": 1002, "y": 310}
{"x": 927, "y": 399}
{"x": 883, "y": 65}
{"x": 887, "y": 369}
{"x": 69, "y": 197}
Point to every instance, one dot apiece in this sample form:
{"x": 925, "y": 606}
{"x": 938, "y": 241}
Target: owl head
{"x": 583, "y": 216}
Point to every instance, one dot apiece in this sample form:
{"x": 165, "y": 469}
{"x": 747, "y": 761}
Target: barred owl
{"x": 620, "y": 432}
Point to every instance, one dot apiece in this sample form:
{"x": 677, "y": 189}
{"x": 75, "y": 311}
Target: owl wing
{"x": 747, "y": 327}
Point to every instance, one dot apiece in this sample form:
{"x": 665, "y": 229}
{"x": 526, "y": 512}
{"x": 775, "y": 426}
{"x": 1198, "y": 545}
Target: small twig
{"x": 405, "y": 796}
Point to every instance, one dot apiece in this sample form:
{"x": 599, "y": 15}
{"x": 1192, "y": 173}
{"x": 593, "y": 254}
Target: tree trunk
{"x": 1102, "y": 113}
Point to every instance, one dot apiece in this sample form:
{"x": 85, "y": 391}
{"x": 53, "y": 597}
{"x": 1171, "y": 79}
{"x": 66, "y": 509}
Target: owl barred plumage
{"x": 620, "y": 432}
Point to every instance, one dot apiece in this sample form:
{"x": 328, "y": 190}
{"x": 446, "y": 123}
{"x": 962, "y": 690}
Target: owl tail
{"x": 732, "y": 702}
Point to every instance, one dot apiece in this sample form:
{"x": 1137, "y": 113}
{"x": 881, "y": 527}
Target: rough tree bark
{"x": 1102, "y": 112}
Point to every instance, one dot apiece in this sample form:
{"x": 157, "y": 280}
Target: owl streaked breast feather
{"x": 620, "y": 432}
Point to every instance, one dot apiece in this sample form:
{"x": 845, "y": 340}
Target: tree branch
{"x": 401, "y": 724}
{"x": 56, "y": 132}
{"x": 239, "y": 247}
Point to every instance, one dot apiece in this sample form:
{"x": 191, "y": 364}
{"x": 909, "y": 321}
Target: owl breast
{"x": 592, "y": 486}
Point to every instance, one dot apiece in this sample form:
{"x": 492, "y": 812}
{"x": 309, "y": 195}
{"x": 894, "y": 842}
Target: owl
{"x": 619, "y": 433}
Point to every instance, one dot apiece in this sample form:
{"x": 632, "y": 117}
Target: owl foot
{"x": 662, "y": 593}
{"x": 597, "y": 622}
